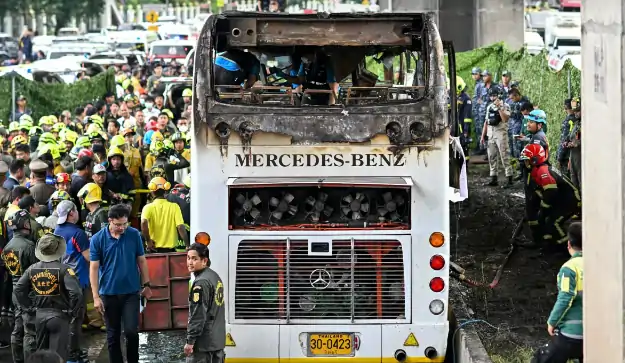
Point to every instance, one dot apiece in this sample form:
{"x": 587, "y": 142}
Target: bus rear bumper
{"x": 372, "y": 343}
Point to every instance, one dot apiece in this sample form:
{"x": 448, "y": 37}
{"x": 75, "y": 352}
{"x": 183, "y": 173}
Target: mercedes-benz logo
{"x": 320, "y": 279}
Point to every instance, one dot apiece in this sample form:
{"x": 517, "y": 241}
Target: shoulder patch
{"x": 197, "y": 287}
{"x": 71, "y": 272}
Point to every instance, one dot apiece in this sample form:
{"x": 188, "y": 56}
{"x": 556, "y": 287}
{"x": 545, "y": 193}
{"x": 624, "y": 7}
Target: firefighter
{"x": 536, "y": 122}
{"x": 91, "y": 196}
{"x": 52, "y": 289}
{"x": 464, "y": 116}
{"x": 206, "y": 329}
{"x": 168, "y": 158}
{"x": 554, "y": 197}
{"x": 565, "y": 321}
{"x": 18, "y": 256}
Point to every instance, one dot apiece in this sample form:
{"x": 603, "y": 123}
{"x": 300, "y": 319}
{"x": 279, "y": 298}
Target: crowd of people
{"x": 83, "y": 197}
{"x": 511, "y": 130}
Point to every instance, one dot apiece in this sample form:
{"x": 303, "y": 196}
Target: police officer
{"x": 496, "y": 129}
{"x": 476, "y": 74}
{"x": 565, "y": 321}
{"x": 482, "y": 100}
{"x": 557, "y": 198}
{"x": 575, "y": 143}
{"x": 566, "y": 127}
{"x": 206, "y": 330}
{"x": 39, "y": 189}
{"x": 464, "y": 116}
{"x": 52, "y": 288}
{"x": 515, "y": 100}
{"x": 18, "y": 256}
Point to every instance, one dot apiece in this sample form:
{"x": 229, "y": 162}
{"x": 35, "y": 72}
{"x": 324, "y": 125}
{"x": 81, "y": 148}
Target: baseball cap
{"x": 506, "y": 73}
{"x": 99, "y": 168}
{"x": 476, "y": 70}
{"x": 21, "y": 97}
{"x": 63, "y": 210}
{"x": 486, "y": 72}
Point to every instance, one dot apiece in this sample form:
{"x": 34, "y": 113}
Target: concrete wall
{"x": 471, "y": 23}
{"x": 603, "y": 179}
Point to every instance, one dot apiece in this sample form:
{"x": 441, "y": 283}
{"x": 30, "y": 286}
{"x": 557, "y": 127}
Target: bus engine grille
{"x": 361, "y": 280}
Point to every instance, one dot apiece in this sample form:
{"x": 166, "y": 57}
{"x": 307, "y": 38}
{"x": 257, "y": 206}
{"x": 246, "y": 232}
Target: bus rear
{"x": 329, "y": 224}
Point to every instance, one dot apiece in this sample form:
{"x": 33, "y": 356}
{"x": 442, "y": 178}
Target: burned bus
{"x": 329, "y": 222}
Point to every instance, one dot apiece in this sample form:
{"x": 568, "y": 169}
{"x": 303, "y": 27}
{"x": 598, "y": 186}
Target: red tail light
{"x": 437, "y": 262}
{"x": 437, "y": 284}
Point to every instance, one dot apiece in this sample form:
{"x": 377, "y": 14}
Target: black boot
{"x": 493, "y": 181}
{"x": 509, "y": 183}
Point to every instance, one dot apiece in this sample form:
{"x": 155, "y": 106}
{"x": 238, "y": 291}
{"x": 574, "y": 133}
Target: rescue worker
{"x": 536, "y": 121}
{"x": 180, "y": 146}
{"x": 496, "y": 129}
{"x": 464, "y": 116}
{"x": 565, "y": 323}
{"x": 99, "y": 178}
{"x": 39, "y": 189}
{"x": 51, "y": 288}
{"x": 566, "y": 127}
{"x": 575, "y": 144}
{"x": 181, "y": 195}
{"x": 235, "y": 67}
{"x": 161, "y": 220}
{"x": 22, "y": 152}
{"x": 206, "y": 329}
{"x": 18, "y": 256}
{"x": 168, "y": 158}
{"x": 49, "y": 223}
{"x": 118, "y": 179}
{"x": 91, "y": 196}
{"x": 555, "y": 199}
{"x": 134, "y": 164}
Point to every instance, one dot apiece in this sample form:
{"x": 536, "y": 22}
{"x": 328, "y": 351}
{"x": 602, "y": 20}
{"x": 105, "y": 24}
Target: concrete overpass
{"x": 471, "y": 23}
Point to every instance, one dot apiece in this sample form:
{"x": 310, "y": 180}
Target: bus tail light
{"x": 437, "y": 307}
{"x": 203, "y": 238}
{"x": 437, "y": 284}
{"x": 437, "y": 239}
{"x": 437, "y": 262}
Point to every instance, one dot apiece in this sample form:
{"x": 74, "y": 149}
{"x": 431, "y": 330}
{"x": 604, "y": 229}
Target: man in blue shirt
{"x": 77, "y": 257}
{"x": 115, "y": 253}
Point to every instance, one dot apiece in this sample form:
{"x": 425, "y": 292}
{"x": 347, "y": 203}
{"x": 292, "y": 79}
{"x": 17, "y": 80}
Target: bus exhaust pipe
{"x": 400, "y": 355}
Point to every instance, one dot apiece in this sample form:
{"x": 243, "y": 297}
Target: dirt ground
{"x": 518, "y": 307}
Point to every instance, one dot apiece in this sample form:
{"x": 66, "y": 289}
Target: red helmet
{"x": 85, "y": 152}
{"x": 534, "y": 153}
{"x": 151, "y": 125}
{"x": 63, "y": 178}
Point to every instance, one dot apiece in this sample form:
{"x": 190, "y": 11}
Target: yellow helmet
{"x": 52, "y": 149}
{"x": 115, "y": 151}
{"x": 14, "y": 126}
{"x": 460, "y": 85}
{"x": 93, "y": 128}
{"x": 156, "y": 136}
{"x": 125, "y": 83}
{"x": 187, "y": 92}
{"x": 18, "y": 139}
{"x": 96, "y": 119}
{"x": 70, "y": 136}
{"x": 90, "y": 193}
{"x": 45, "y": 120}
{"x": 120, "y": 78}
{"x": 117, "y": 141}
{"x": 47, "y": 138}
{"x": 35, "y": 130}
{"x": 83, "y": 141}
{"x": 156, "y": 147}
{"x": 26, "y": 122}
{"x": 58, "y": 127}
{"x": 169, "y": 113}
{"x": 53, "y": 118}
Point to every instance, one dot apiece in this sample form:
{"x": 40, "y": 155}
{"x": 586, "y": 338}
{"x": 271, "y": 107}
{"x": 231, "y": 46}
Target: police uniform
{"x": 18, "y": 256}
{"x": 566, "y": 316}
{"x": 206, "y": 329}
{"x": 478, "y": 121}
{"x": 482, "y": 100}
{"x": 41, "y": 192}
{"x": 497, "y": 133}
{"x": 52, "y": 288}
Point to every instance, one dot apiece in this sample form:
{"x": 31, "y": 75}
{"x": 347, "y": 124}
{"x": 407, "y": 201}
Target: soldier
{"x": 206, "y": 330}
{"x": 52, "y": 289}
{"x": 483, "y": 101}
{"x": 475, "y": 106}
{"x": 38, "y": 187}
{"x": 18, "y": 256}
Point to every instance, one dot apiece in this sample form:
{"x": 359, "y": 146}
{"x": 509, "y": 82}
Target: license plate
{"x": 331, "y": 344}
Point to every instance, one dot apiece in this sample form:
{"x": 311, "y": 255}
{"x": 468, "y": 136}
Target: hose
{"x": 458, "y": 272}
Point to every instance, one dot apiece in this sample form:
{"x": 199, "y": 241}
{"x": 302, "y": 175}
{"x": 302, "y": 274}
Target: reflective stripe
{"x": 572, "y": 336}
{"x": 562, "y": 240}
{"x": 550, "y": 186}
{"x": 539, "y": 193}
{"x": 544, "y": 205}
{"x": 532, "y": 223}
{"x": 558, "y": 228}
{"x": 547, "y": 236}
{"x": 468, "y": 120}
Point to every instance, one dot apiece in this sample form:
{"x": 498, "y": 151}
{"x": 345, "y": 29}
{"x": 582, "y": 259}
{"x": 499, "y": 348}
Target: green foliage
{"x": 546, "y": 88}
{"x": 47, "y": 99}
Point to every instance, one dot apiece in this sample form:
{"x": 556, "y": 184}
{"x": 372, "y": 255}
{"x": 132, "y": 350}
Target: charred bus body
{"x": 330, "y": 223}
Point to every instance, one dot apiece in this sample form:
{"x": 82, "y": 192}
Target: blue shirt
{"x": 226, "y": 63}
{"x": 77, "y": 242}
{"x": 119, "y": 272}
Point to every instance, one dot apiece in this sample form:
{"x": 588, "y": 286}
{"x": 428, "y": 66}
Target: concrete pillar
{"x": 499, "y": 20}
{"x": 105, "y": 18}
{"x": 8, "y": 25}
{"x": 40, "y": 25}
{"x": 603, "y": 94}
{"x": 20, "y": 23}
{"x": 456, "y": 23}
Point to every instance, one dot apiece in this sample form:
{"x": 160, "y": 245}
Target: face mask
{"x": 142, "y": 101}
{"x": 149, "y": 104}
{"x": 183, "y": 128}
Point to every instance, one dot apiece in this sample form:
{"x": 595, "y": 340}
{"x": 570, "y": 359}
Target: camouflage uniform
{"x": 479, "y": 111}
